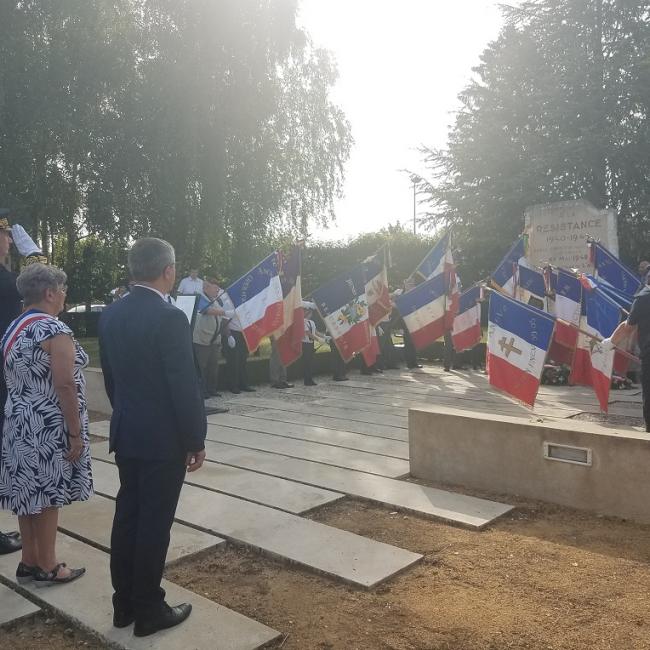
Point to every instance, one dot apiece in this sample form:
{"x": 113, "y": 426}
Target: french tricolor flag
{"x": 531, "y": 287}
{"x": 423, "y": 311}
{"x": 289, "y": 336}
{"x": 372, "y": 352}
{"x": 566, "y": 308}
{"x": 440, "y": 261}
{"x": 343, "y": 306}
{"x": 592, "y": 364}
{"x": 377, "y": 293}
{"x": 257, "y": 298}
{"x": 504, "y": 277}
{"x": 519, "y": 337}
{"x": 466, "y": 332}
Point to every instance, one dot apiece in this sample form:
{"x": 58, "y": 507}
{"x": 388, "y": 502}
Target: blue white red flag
{"x": 289, "y": 336}
{"x": 531, "y": 288}
{"x": 611, "y": 270}
{"x": 440, "y": 261}
{"x": 592, "y": 364}
{"x": 505, "y": 275}
{"x": 519, "y": 337}
{"x": 566, "y": 308}
{"x": 377, "y": 292}
{"x": 466, "y": 331}
{"x": 257, "y": 300}
{"x": 343, "y": 306}
{"x": 423, "y": 311}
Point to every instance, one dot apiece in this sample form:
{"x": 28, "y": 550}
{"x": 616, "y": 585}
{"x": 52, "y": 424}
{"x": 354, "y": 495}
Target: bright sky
{"x": 401, "y": 66}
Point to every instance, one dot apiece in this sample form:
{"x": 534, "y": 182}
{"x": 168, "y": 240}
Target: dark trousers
{"x": 236, "y": 361}
{"x": 410, "y": 355}
{"x": 449, "y": 354}
{"x": 340, "y": 368}
{"x": 206, "y": 358}
{"x": 387, "y": 347}
{"x": 144, "y": 513}
{"x": 645, "y": 387}
{"x": 307, "y": 361}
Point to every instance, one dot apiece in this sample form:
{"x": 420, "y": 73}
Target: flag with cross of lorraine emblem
{"x": 519, "y": 337}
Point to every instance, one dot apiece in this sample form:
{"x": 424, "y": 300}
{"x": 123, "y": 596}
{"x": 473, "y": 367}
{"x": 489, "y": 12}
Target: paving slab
{"x": 266, "y": 490}
{"x": 337, "y": 456}
{"x": 92, "y": 521}
{"x": 346, "y": 439}
{"x": 87, "y": 602}
{"x": 339, "y": 424}
{"x": 440, "y": 504}
{"x": 13, "y": 606}
{"x": 338, "y": 553}
{"x": 332, "y": 410}
{"x": 101, "y": 428}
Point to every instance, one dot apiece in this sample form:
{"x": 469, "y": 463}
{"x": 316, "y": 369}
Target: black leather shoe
{"x": 248, "y": 389}
{"x": 10, "y": 543}
{"x": 287, "y": 384}
{"x": 168, "y": 617}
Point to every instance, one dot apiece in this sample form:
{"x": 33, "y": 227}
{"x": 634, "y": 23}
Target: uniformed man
{"x": 638, "y": 322}
{"x": 10, "y": 307}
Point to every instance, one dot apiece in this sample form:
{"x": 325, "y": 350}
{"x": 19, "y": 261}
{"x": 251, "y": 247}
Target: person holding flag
{"x": 638, "y": 322}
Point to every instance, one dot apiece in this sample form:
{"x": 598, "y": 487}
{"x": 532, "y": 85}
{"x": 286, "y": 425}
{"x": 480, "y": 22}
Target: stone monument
{"x": 558, "y": 232}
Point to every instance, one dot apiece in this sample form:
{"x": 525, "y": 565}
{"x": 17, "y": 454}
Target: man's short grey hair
{"x": 36, "y": 279}
{"x": 149, "y": 257}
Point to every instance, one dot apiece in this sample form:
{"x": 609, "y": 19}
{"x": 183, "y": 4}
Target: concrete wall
{"x": 506, "y": 455}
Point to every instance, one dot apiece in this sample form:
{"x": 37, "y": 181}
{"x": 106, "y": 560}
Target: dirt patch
{"x": 45, "y": 631}
{"x": 542, "y": 578}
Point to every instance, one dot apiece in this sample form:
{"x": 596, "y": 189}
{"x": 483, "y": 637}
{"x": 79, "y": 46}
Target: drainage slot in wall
{"x": 567, "y": 453}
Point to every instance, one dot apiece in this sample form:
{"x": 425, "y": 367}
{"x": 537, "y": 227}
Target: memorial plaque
{"x": 558, "y": 233}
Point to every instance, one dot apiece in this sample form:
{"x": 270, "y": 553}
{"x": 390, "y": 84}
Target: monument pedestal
{"x": 569, "y": 463}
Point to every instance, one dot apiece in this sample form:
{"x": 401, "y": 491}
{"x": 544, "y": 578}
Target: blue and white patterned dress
{"x": 34, "y": 473}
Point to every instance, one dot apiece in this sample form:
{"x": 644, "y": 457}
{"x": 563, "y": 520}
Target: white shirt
{"x": 145, "y": 286}
{"x": 310, "y": 328}
{"x": 188, "y": 286}
{"x": 229, "y": 308}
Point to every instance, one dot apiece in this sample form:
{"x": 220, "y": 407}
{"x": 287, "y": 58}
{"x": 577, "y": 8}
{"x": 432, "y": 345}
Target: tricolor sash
{"x": 17, "y": 326}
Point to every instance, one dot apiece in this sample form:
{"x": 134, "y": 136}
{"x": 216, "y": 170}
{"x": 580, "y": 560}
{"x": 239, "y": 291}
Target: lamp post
{"x": 414, "y": 207}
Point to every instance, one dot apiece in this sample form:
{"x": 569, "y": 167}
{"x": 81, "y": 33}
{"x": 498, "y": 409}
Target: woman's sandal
{"x": 25, "y": 573}
{"x": 49, "y": 578}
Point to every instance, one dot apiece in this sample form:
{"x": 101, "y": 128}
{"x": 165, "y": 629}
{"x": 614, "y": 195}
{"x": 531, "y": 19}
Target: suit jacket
{"x": 150, "y": 378}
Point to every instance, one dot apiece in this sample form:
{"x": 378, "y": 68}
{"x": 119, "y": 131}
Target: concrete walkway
{"x": 13, "y": 606}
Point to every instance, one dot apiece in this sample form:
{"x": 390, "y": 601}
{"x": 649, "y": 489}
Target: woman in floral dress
{"x": 45, "y": 456}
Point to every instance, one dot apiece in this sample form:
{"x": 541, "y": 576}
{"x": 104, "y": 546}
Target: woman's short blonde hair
{"x": 36, "y": 279}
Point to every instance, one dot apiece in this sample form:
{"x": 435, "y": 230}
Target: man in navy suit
{"x": 157, "y": 432}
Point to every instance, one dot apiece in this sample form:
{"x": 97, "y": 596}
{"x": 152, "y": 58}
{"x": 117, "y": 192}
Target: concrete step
{"x": 331, "y": 410}
{"x": 87, "y": 602}
{"x": 339, "y": 424}
{"x": 320, "y": 453}
{"x": 321, "y": 548}
{"x": 13, "y": 606}
{"x": 430, "y": 502}
{"x": 92, "y": 521}
{"x": 346, "y": 439}
{"x": 265, "y": 490}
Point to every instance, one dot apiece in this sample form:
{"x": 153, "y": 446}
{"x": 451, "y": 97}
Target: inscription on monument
{"x": 558, "y": 232}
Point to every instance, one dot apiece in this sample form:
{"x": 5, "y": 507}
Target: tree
{"x": 207, "y": 122}
{"x": 558, "y": 110}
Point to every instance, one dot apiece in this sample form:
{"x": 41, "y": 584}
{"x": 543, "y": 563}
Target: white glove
{"x": 328, "y": 339}
{"x": 231, "y": 342}
{"x": 607, "y": 345}
{"x": 217, "y": 341}
{"x": 24, "y": 243}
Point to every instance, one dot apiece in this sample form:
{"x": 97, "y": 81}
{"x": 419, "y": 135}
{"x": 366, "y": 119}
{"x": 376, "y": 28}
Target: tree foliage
{"x": 206, "y": 122}
{"x": 557, "y": 111}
